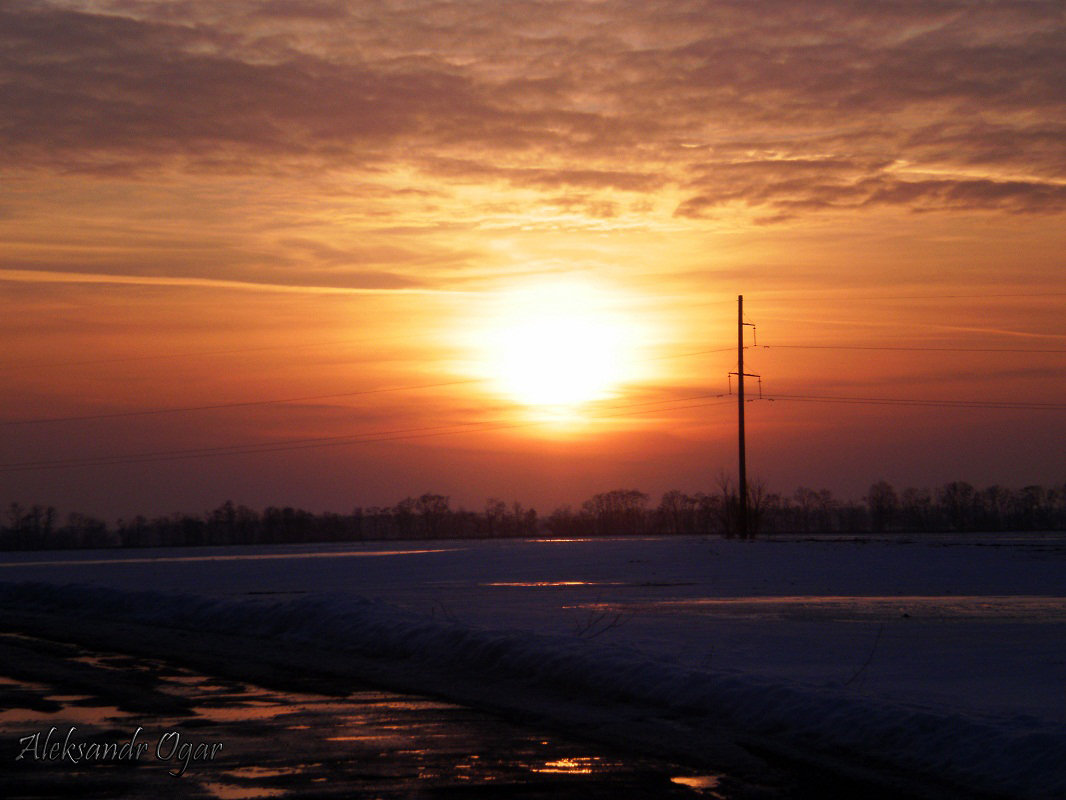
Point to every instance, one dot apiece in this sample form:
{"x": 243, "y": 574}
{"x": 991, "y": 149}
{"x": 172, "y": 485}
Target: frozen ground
{"x": 940, "y": 653}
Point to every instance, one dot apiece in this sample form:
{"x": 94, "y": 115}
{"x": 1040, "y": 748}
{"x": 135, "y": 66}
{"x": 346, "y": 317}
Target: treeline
{"x": 957, "y": 506}
{"x": 427, "y": 517}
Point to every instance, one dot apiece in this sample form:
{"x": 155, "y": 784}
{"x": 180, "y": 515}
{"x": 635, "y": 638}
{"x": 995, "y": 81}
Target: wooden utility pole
{"x": 742, "y": 462}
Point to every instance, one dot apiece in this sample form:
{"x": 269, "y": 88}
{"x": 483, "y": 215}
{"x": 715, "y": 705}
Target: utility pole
{"x": 742, "y": 461}
{"x": 743, "y": 523}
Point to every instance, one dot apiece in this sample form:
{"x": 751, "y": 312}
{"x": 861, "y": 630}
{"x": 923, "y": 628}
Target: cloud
{"x": 583, "y": 204}
{"x": 1020, "y": 148}
{"x": 471, "y": 170}
{"x": 372, "y": 282}
{"x": 791, "y": 197}
{"x": 302, "y": 9}
{"x": 782, "y": 108}
{"x": 80, "y": 83}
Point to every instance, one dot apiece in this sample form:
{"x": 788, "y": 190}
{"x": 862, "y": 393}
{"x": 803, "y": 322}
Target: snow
{"x": 939, "y": 653}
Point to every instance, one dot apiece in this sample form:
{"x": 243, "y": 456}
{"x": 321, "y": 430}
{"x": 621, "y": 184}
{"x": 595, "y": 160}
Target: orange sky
{"x": 208, "y": 203}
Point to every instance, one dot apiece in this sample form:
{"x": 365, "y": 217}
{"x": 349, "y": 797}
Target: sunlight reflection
{"x": 578, "y": 765}
{"x": 231, "y": 557}
{"x": 697, "y": 781}
{"x": 529, "y": 584}
{"x": 78, "y": 715}
{"x": 263, "y": 772}
{"x": 704, "y": 784}
{"x": 228, "y": 791}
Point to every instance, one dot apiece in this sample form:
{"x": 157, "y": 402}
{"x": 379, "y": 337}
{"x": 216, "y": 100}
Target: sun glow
{"x": 560, "y": 345}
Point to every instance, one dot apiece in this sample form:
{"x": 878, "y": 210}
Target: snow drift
{"x": 1018, "y": 755}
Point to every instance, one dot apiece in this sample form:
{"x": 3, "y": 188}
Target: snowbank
{"x": 1018, "y": 755}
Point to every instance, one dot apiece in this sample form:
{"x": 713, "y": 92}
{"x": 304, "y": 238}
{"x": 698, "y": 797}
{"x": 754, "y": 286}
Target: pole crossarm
{"x": 746, "y": 375}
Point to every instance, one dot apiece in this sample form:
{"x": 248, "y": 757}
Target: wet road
{"x": 275, "y": 743}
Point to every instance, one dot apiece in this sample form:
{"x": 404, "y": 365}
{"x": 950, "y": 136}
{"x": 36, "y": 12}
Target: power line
{"x": 283, "y": 400}
{"x": 667, "y": 408}
{"x": 220, "y": 450}
{"x": 325, "y": 441}
{"x": 289, "y": 346}
{"x": 912, "y": 349}
{"x": 660, "y": 406}
{"x": 987, "y": 296}
{"x": 901, "y": 401}
{"x": 239, "y": 404}
{"x": 442, "y": 384}
{"x": 858, "y": 296}
{"x": 242, "y": 350}
{"x": 693, "y": 353}
{"x": 199, "y": 353}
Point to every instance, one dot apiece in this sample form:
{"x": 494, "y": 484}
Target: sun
{"x": 559, "y": 345}
{"x": 557, "y": 359}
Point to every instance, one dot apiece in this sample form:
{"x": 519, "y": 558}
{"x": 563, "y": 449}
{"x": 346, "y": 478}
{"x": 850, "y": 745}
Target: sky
{"x": 333, "y": 254}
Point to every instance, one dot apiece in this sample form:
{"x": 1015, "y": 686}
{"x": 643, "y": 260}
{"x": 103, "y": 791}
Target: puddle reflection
{"x": 228, "y": 791}
{"x": 545, "y": 584}
{"x": 67, "y": 712}
{"x": 368, "y": 743}
{"x": 571, "y": 766}
{"x": 263, "y": 772}
{"x": 704, "y": 784}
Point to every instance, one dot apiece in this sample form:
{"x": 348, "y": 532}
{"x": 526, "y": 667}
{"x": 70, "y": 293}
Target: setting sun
{"x": 559, "y": 345}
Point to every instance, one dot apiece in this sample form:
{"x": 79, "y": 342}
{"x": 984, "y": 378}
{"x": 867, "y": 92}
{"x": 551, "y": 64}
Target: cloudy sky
{"x": 336, "y": 253}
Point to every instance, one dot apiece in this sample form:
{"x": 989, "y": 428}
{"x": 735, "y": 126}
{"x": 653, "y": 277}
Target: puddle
{"x": 226, "y": 791}
{"x": 703, "y": 784}
{"x": 103, "y": 662}
{"x": 262, "y": 772}
{"x": 69, "y": 712}
{"x": 697, "y": 781}
{"x": 573, "y": 766}
{"x": 11, "y": 683}
{"x": 370, "y": 743}
{"x": 546, "y": 584}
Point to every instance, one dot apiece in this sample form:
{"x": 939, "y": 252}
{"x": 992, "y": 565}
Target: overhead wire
{"x": 476, "y": 427}
{"x": 912, "y": 348}
{"x": 201, "y": 353}
{"x": 283, "y": 400}
{"x": 253, "y": 447}
{"x": 237, "y": 404}
{"x": 329, "y": 441}
{"x": 902, "y": 401}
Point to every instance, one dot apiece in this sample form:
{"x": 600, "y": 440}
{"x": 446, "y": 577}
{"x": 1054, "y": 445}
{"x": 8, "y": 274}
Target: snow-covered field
{"x": 939, "y": 653}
